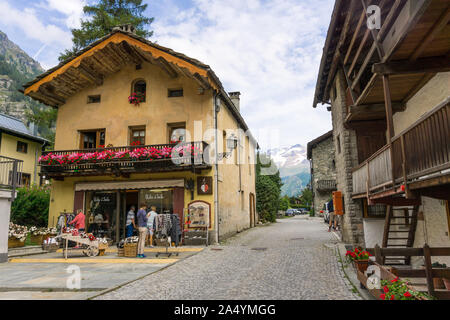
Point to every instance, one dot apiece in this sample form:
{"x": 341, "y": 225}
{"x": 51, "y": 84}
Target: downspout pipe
{"x": 216, "y": 167}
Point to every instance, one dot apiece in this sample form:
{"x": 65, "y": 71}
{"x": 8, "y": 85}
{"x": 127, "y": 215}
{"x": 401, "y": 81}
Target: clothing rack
{"x": 168, "y": 244}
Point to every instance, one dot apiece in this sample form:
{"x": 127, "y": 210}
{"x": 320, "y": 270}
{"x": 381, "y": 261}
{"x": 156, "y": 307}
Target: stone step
{"x": 25, "y": 251}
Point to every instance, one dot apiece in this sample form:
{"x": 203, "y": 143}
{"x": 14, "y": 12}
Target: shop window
{"x": 94, "y": 99}
{"x": 161, "y": 199}
{"x": 140, "y": 89}
{"x": 177, "y": 132}
{"x": 137, "y": 136}
{"x": 22, "y": 147}
{"x": 174, "y": 93}
{"x": 92, "y": 139}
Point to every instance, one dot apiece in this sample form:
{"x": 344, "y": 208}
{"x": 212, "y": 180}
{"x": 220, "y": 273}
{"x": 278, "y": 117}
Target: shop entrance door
{"x": 128, "y": 199}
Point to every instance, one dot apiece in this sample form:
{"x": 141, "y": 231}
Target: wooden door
{"x": 78, "y": 202}
{"x": 178, "y": 203}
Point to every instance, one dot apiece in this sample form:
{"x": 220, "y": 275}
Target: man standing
{"x": 130, "y": 224}
{"x": 151, "y": 216}
{"x": 142, "y": 225}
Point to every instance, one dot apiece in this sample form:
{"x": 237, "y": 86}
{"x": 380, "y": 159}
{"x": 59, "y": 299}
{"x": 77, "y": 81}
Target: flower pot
{"x": 362, "y": 265}
{"x": 15, "y": 243}
{"x": 37, "y": 239}
{"x": 438, "y": 283}
{"x": 446, "y": 283}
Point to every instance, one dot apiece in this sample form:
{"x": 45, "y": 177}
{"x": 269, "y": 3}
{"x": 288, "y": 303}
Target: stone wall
{"x": 323, "y": 169}
{"x": 346, "y": 156}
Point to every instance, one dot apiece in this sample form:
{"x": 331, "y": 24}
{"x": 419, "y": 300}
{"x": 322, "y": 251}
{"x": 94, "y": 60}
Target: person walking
{"x": 151, "y": 216}
{"x": 142, "y": 225}
{"x": 131, "y": 222}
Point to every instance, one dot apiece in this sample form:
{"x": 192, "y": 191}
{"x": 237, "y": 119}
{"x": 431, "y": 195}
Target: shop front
{"x": 106, "y": 204}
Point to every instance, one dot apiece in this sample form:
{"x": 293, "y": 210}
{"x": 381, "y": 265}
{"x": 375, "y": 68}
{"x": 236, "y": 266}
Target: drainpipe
{"x": 216, "y": 171}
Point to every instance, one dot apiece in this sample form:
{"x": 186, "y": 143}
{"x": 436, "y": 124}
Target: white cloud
{"x": 71, "y": 9}
{"x": 268, "y": 50}
{"x": 30, "y": 23}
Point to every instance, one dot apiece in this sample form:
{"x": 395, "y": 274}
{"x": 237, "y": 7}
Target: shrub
{"x": 30, "y": 208}
{"x": 268, "y": 198}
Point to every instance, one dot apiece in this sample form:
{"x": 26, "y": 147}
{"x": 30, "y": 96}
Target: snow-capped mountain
{"x": 294, "y": 168}
{"x": 290, "y": 160}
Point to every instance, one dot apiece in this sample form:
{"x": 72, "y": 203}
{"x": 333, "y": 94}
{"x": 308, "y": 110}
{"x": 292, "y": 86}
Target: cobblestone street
{"x": 292, "y": 259}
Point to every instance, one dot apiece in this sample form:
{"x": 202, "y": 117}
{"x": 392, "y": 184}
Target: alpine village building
{"x": 140, "y": 123}
{"x": 388, "y": 90}
{"x": 320, "y": 153}
{"x": 20, "y": 149}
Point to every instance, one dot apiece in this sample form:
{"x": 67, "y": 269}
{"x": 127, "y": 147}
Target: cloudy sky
{"x": 269, "y": 50}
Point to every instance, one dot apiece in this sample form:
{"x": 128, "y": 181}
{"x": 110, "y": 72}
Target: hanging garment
{"x": 175, "y": 232}
{"x": 163, "y": 225}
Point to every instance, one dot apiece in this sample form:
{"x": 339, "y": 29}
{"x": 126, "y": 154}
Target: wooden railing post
{"x": 428, "y": 269}
{"x": 378, "y": 255}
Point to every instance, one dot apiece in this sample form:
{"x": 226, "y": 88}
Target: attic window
{"x": 174, "y": 93}
{"x": 22, "y": 147}
{"x": 138, "y": 66}
{"x": 94, "y": 99}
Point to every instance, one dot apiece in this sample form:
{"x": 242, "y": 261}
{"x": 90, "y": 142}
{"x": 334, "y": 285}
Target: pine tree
{"x": 102, "y": 17}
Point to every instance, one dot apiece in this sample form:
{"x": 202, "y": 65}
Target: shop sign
{"x": 204, "y": 185}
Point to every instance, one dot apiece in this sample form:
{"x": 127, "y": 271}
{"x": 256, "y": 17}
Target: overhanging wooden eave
{"x": 117, "y": 38}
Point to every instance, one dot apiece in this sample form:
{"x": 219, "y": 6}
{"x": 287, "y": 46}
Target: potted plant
{"x": 17, "y": 235}
{"x": 400, "y": 290}
{"x": 360, "y": 259}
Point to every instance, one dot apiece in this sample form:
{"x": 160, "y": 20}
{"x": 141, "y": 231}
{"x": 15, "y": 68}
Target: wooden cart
{"x": 89, "y": 248}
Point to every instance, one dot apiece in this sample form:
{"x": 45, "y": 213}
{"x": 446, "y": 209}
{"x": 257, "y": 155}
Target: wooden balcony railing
{"x": 125, "y": 160}
{"x": 326, "y": 185}
{"x": 421, "y": 150}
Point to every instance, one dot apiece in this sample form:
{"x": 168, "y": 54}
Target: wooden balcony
{"x": 122, "y": 161}
{"x": 417, "y": 156}
{"x": 326, "y": 185}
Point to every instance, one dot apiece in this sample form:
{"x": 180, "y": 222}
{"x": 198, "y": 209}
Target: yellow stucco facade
{"x": 8, "y": 148}
{"x": 116, "y": 116}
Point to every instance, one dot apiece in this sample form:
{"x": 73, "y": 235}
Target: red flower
{"x": 407, "y": 294}
{"x": 386, "y": 289}
{"x": 392, "y": 297}
{"x": 383, "y": 297}
{"x": 395, "y": 280}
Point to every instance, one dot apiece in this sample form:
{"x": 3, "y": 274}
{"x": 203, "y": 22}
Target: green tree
{"x": 284, "y": 203}
{"x": 102, "y": 17}
{"x": 45, "y": 119}
{"x": 30, "y": 208}
{"x": 306, "y": 197}
{"x": 268, "y": 190}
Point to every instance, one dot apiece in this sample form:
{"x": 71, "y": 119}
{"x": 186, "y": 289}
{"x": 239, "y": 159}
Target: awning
{"x": 124, "y": 185}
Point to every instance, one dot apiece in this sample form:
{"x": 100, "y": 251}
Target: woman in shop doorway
{"x": 151, "y": 216}
{"x": 79, "y": 221}
{"x": 131, "y": 224}
{"x": 142, "y": 225}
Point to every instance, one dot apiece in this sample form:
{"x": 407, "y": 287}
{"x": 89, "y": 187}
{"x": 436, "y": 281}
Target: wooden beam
{"x": 90, "y": 74}
{"x": 387, "y": 98}
{"x": 377, "y": 107}
{"x": 355, "y": 36}
{"x": 374, "y": 33}
{"x": 398, "y": 201}
{"x": 337, "y": 53}
{"x": 167, "y": 67}
{"x": 428, "y": 269}
{"x": 129, "y": 50}
{"x": 202, "y": 82}
{"x": 367, "y": 89}
{"x": 408, "y": 17}
{"x": 438, "y": 27}
{"x": 364, "y": 65}
{"x": 425, "y": 65}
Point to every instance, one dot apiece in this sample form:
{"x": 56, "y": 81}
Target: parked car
{"x": 290, "y": 212}
{"x": 297, "y": 212}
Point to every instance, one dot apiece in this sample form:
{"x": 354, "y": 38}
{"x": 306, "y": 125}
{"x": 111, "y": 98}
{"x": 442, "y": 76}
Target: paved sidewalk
{"x": 292, "y": 259}
{"x": 45, "y": 276}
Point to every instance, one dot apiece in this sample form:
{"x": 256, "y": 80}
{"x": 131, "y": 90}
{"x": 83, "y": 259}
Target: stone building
{"x": 321, "y": 153}
{"x": 389, "y": 94}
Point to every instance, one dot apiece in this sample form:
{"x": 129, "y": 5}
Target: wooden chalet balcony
{"x": 122, "y": 161}
{"x": 418, "y": 154}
